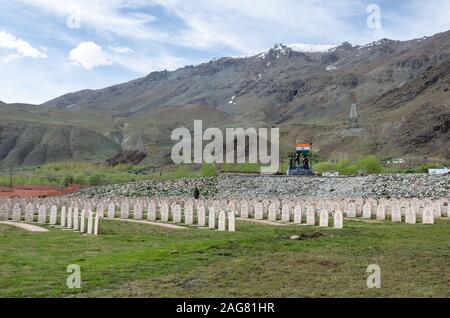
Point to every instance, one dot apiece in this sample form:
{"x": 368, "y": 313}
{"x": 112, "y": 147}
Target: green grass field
{"x": 136, "y": 260}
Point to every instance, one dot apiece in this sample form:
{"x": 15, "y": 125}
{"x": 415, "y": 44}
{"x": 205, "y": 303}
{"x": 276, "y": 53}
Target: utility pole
{"x": 11, "y": 177}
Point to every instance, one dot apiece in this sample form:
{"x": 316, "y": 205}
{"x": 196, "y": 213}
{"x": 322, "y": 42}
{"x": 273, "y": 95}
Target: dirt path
{"x": 263, "y": 222}
{"x": 165, "y": 225}
{"x": 26, "y": 227}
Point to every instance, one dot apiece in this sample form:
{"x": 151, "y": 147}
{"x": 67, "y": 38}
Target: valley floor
{"x": 138, "y": 260}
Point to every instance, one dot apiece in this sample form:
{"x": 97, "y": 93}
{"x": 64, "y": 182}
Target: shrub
{"x": 369, "y": 165}
{"x": 208, "y": 170}
{"x": 322, "y": 167}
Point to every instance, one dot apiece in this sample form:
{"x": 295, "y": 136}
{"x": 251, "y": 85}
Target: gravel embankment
{"x": 404, "y": 185}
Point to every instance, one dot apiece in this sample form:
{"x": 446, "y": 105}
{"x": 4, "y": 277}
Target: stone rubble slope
{"x": 374, "y": 186}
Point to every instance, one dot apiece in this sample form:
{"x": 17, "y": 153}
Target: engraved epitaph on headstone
{"x": 176, "y": 213}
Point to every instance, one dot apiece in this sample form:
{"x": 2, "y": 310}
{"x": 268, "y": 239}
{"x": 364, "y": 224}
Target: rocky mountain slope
{"x": 401, "y": 88}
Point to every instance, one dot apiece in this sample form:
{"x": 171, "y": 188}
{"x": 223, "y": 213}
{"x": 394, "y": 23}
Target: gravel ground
{"x": 404, "y": 185}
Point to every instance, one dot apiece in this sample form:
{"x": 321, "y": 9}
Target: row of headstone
{"x": 84, "y": 223}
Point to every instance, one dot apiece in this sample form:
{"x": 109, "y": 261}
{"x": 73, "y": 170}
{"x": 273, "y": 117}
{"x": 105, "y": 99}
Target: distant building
{"x": 439, "y": 171}
{"x": 399, "y": 161}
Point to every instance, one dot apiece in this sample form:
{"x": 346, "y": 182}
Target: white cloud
{"x": 22, "y": 48}
{"x": 121, "y": 49}
{"x": 89, "y": 55}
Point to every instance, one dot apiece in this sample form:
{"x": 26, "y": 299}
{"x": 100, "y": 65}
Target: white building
{"x": 439, "y": 171}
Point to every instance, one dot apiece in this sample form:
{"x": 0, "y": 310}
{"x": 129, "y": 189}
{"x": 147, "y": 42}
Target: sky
{"x": 51, "y": 47}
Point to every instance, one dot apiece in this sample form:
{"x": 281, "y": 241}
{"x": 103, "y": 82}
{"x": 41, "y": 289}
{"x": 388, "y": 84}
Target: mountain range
{"x": 400, "y": 88}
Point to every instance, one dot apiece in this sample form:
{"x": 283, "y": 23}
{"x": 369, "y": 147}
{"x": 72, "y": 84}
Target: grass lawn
{"x": 137, "y": 260}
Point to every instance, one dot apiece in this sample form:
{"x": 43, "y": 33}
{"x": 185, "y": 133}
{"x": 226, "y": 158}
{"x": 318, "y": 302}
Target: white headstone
{"x": 286, "y": 213}
{"x": 97, "y": 221}
{"x": 76, "y": 219}
{"x": 410, "y": 216}
{"x": 29, "y": 213}
{"x": 272, "y": 215}
{"x": 428, "y": 215}
{"x": 367, "y": 211}
{"x": 90, "y": 225}
{"x": 82, "y": 221}
{"x": 212, "y": 218}
{"x": 63, "y": 216}
{"x": 201, "y": 213}
{"x": 338, "y": 220}
{"x": 137, "y": 211}
{"x": 324, "y": 215}
{"x": 396, "y": 213}
{"x": 351, "y": 210}
{"x": 259, "y": 211}
{"x": 437, "y": 209}
{"x": 244, "y": 210}
{"x": 231, "y": 221}
{"x": 101, "y": 209}
{"x": 70, "y": 218}
{"x": 4, "y": 212}
{"x": 151, "y": 211}
{"x": 222, "y": 218}
{"x": 17, "y": 213}
{"x": 310, "y": 216}
{"x": 298, "y": 214}
{"x": 53, "y": 215}
{"x": 42, "y": 214}
{"x": 111, "y": 210}
{"x": 381, "y": 212}
{"x": 165, "y": 212}
{"x": 176, "y": 213}
{"x": 189, "y": 214}
{"x": 125, "y": 210}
